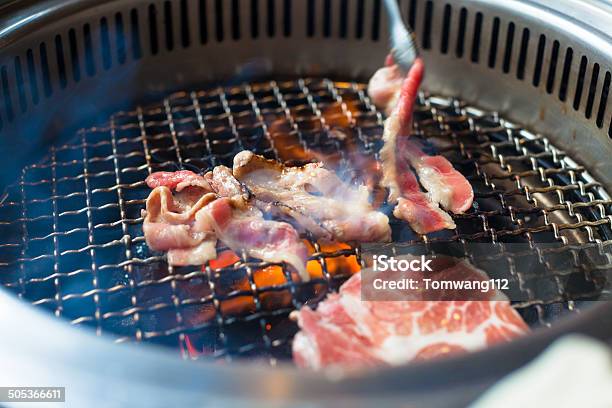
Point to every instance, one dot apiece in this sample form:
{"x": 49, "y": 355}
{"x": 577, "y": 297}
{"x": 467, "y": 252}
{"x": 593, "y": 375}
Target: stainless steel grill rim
{"x": 561, "y": 94}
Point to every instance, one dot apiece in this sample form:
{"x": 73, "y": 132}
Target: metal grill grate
{"x": 72, "y": 236}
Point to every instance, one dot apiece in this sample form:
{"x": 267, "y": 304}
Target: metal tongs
{"x": 403, "y": 41}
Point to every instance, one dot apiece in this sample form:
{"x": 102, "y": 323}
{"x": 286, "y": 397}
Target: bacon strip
{"x": 445, "y": 185}
{"x": 171, "y": 223}
{"x": 176, "y": 180}
{"x": 204, "y": 208}
{"x": 242, "y": 227}
{"x": 313, "y": 197}
{"x": 348, "y": 332}
{"x": 413, "y": 206}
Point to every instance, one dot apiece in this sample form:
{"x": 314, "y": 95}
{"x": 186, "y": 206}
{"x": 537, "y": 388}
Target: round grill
{"x": 83, "y": 255}
{"x": 517, "y": 99}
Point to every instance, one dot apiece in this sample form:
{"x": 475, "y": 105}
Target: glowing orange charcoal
{"x": 224, "y": 259}
{"x": 335, "y": 116}
{"x": 264, "y": 278}
{"x": 188, "y": 349}
{"x": 339, "y": 265}
{"x": 285, "y": 138}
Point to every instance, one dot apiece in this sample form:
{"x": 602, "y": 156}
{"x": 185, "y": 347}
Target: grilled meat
{"x": 177, "y": 180}
{"x": 416, "y": 207}
{"x": 241, "y": 226}
{"x": 348, "y": 332}
{"x": 172, "y": 223}
{"x": 313, "y": 197}
{"x": 223, "y": 182}
{"x": 384, "y": 85}
{"x": 412, "y": 205}
{"x": 446, "y": 186}
{"x": 215, "y": 206}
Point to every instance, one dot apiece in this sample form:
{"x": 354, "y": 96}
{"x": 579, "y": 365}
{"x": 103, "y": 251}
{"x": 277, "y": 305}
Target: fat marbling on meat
{"x": 314, "y": 198}
{"x": 346, "y": 331}
{"x": 242, "y": 226}
{"x": 445, "y": 185}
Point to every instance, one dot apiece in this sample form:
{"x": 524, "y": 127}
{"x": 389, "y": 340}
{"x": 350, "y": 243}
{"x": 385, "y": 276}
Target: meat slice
{"x": 171, "y": 224}
{"x": 384, "y": 85}
{"x": 348, "y": 332}
{"x": 242, "y": 227}
{"x": 445, "y": 185}
{"x": 203, "y": 209}
{"x": 416, "y": 207}
{"x": 313, "y": 197}
{"x": 223, "y": 182}
{"x": 177, "y": 180}
{"x": 412, "y": 205}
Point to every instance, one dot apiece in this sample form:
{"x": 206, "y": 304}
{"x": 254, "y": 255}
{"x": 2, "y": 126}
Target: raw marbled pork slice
{"x": 348, "y": 332}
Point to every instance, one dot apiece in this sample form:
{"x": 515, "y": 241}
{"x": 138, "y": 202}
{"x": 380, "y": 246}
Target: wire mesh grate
{"x": 71, "y": 227}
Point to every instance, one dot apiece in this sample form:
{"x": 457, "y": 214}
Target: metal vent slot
{"x": 153, "y": 40}
{"x": 75, "y": 62}
{"x": 46, "y": 74}
{"x": 120, "y": 39}
{"x": 446, "y": 28}
{"x": 6, "y": 90}
{"x": 580, "y": 82}
{"x": 271, "y": 27}
{"x": 508, "y": 52}
{"x": 327, "y": 18}
{"x": 135, "y": 34}
{"x": 520, "y": 68}
{"x": 412, "y": 11}
{"x": 493, "y": 45}
{"x": 169, "y": 26}
{"x": 105, "y": 44}
{"x": 460, "y": 47}
{"x": 552, "y": 68}
{"x": 61, "y": 63}
{"x": 203, "y": 21}
{"x": 537, "y": 71}
{"x": 376, "y": 16}
{"x": 567, "y": 65}
{"x": 32, "y": 79}
{"x": 592, "y": 89}
{"x": 359, "y": 24}
{"x": 254, "y": 18}
{"x": 185, "y": 32}
{"x": 219, "y": 30}
{"x": 343, "y": 20}
{"x": 475, "y": 55}
{"x": 90, "y": 63}
{"x": 427, "y": 25}
{"x": 287, "y": 23}
{"x": 603, "y": 101}
{"x": 20, "y": 84}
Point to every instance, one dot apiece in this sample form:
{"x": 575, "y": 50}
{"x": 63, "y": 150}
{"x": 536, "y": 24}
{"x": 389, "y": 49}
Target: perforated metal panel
{"x": 538, "y": 65}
